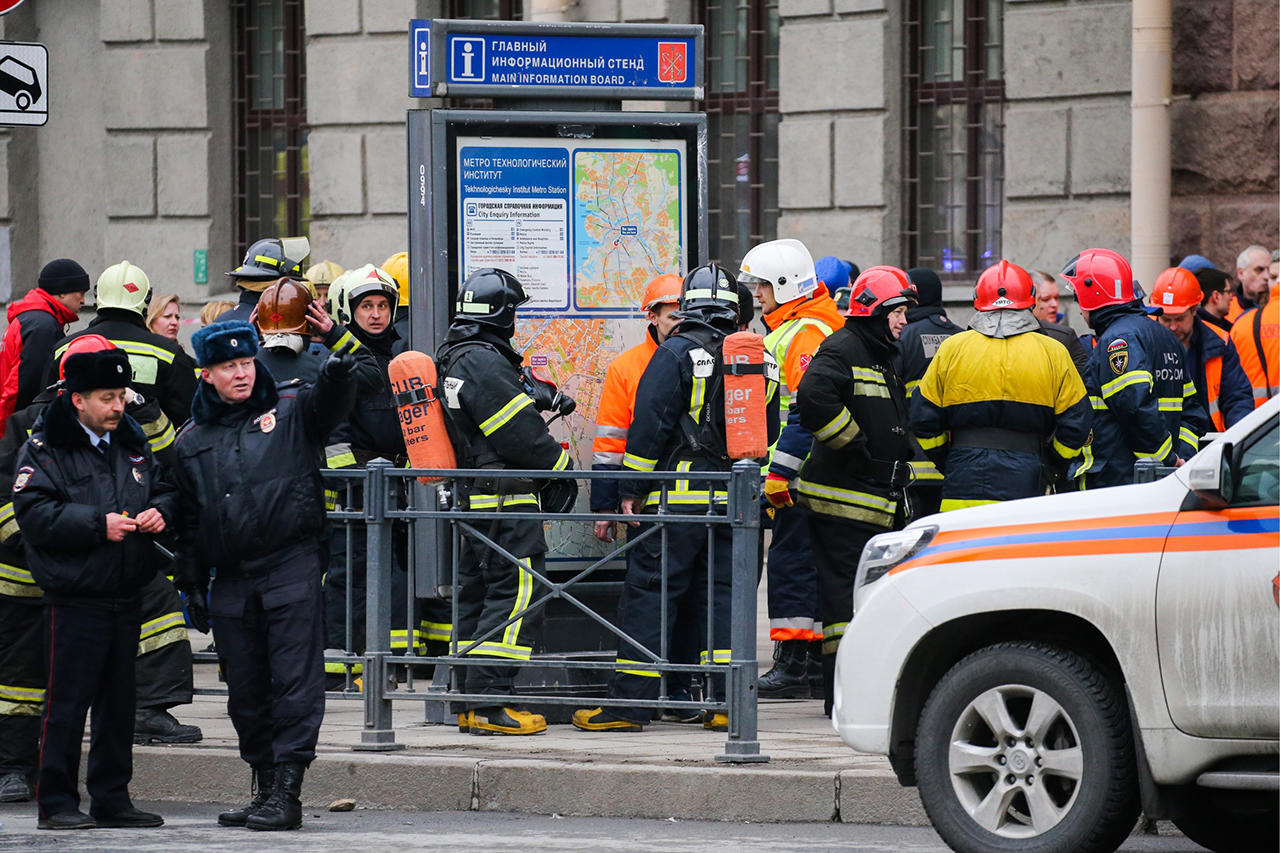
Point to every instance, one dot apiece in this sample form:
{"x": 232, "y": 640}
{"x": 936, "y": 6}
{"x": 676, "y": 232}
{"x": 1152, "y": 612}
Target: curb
{"x": 764, "y": 794}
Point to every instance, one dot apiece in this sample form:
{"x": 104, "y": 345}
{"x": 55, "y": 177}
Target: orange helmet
{"x": 1004, "y": 285}
{"x": 663, "y": 290}
{"x": 1176, "y": 290}
{"x": 1100, "y": 277}
{"x": 879, "y": 290}
{"x": 80, "y": 345}
{"x": 282, "y": 308}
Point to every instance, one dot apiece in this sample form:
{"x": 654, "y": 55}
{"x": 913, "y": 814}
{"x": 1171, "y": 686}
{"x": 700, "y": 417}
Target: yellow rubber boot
{"x": 600, "y": 720}
{"x": 716, "y": 722}
{"x": 464, "y": 722}
{"x": 506, "y": 721}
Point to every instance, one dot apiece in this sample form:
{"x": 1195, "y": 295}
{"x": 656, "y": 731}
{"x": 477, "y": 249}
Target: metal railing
{"x": 384, "y": 487}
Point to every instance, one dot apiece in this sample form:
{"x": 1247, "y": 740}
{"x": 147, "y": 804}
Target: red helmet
{"x": 1004, "y": 285}
{"x": 1100, "y": 277}
{"x": 1176, "y": 290}
{"x": 82, "y": 344}
{"x": 879, "y": 290}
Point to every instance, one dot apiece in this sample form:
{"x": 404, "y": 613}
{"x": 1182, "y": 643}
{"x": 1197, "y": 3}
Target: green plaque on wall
{"x": 200, "y": 266}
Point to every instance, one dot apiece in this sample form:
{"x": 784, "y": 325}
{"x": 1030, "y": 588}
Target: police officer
{"x": 264, "y": 262}
{"x": 1000, "y": 401}
{"x": 494, "y": 423}
{"x": 1145, "y": 406}
{"x": 855, "y": 405}
{"x": 162, "y": 370}
{"x": 680, "y": 395}
{"x": 251, "y": 505}
{"x": 86, "y": 499}
{"x": 800, "y": 313}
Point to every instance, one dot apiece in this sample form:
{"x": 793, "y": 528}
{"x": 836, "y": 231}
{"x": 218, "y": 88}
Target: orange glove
{"x": 777, "y": 492}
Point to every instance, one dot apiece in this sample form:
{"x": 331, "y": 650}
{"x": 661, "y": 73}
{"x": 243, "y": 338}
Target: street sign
{"x": 543, "y": 60}
{"x": 24, "y": 83}
{"x": 9, "y": 5}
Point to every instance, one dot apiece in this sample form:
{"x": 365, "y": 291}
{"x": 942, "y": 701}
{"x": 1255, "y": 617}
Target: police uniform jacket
{"x": 1145, "y": 405}
{"x": 927, "y": 327}
{"x": 856, "y": 406}
{"x": 63, "y": 489}
{"x": 248, "y": 476}
{"x": 493, "y": 422}
{"x": 681, "y": 396}
{"x": 162, "y": 370}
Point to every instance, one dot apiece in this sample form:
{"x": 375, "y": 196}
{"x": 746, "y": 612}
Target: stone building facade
{"x": 141, "y": 158}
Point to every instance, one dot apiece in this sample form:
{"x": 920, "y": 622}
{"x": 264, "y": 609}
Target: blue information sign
{"x": 631, "y": 62}
{"x": 420, "y": 59}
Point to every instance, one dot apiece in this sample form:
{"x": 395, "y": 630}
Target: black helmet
{"x": 490, "y": 296}
{"x": 710, "y": 292}
{"x": 273, "y": 258}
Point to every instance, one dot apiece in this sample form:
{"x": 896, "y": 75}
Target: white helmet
{"x": 785, "y": 264}
{"x": 123, "y": 285}
{"x": 348, "y": 289}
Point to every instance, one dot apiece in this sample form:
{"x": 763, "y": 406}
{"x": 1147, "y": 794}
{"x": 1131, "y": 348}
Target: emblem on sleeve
{"x": 1118, "y": 355}
{"x": 24, "y": 475}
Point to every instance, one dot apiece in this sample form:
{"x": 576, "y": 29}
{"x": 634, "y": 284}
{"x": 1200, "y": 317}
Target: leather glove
{"x": 338, "y": 367}
{"x": 777, "y": 492}
{"x": 546, "y": 396}
{"x": 198, "y": 612}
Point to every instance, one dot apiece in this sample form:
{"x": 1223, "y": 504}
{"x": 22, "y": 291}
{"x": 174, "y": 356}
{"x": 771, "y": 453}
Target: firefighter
{"x": 495, "y": 424}
{"x": 287, "y": 315}
{"x": 1000, "y": 402}
{"x": 1256, "y": 335}
{"x": 1145, "y": 406}
{"x": 800, "y": 314}
{"x": 679, "y": 426}
{"x": 927, "y": 327}
{"x": 87, "y": 501}
{"x": 852, "y": 483}
{"x": 321, "y": 275}
{"x": 264, "y": 262}
{"x": 162, "y": 370}
{"x": 251, "y": 506}
{"x": 1212, "y": 362}
{"x": 397, "y": 266}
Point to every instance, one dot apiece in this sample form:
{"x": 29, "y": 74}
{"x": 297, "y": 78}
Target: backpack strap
{"x": 1257, "y": 342}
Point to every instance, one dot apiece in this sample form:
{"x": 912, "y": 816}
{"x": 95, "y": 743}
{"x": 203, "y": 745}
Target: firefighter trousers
{"x": 269, "y": 633}
{"x": 793, "y": 578}
{"x": 837, "y": 546}
{"x": 163, "y": 669}
{"x": 21, "y": 683}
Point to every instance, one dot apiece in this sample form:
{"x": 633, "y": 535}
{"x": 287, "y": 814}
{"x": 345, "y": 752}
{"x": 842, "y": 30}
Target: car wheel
{"x": 23, "y": 100}
{"x": 1227, "y": 821}
{"x": 1026, "y": 747}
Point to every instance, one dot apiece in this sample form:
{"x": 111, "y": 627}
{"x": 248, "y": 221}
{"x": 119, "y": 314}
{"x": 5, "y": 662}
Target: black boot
{"x": 828, "y": 682}
{"x": 283, "y": 809}
{"x": 816, "y": 690}
{"x": 789, "y": 678}
{"x": 264, "y": 780}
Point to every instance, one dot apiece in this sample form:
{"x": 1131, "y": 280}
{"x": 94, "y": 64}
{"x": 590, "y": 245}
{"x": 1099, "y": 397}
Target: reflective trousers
{"x": 22, "y": 679}
{"x": 163, "y": 668}
{"x": 837, "y": 546}
{"x": 793, "y": 578}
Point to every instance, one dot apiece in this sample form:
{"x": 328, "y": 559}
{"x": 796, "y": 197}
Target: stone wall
{"x": 1226, "y": 139}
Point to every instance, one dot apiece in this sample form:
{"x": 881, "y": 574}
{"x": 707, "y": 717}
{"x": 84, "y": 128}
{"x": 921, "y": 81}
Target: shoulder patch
{"x": 24, "y": 475}
{"x": 453, "y": 387}
{"x": 703, "y": 364}
{"x": 771, "y": 371}
{"x": 804, "y": 362}
{"x": 1117, "y": 344}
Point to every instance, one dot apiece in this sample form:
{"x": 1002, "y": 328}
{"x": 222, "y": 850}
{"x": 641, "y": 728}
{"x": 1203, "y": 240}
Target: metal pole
{"x": 378, "y": 734}
{"x": 742, "y": 747}
{"x": 1150, "y": 157}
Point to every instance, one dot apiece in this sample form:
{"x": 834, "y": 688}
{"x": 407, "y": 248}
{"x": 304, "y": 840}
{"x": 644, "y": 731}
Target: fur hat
{"x": 63, "y": 276}
{"x": 219, "y": 342}
{"x": 88, "y": 371}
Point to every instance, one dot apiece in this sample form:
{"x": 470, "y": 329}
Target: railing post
{"x": 742, "y": 746}
{"x": 378, "y": 734}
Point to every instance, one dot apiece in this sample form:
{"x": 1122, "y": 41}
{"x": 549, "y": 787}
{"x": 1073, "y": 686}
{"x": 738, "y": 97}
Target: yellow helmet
{"x": 324, "y": 272}
{"x": 123, "y": 285}
{"x": 397, "y": 266}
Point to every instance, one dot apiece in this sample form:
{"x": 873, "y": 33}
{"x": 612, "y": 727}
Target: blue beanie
{"x": 832, "y": 272}
{"x": 1192, "y": 263}
{"x": 219, "y": 342}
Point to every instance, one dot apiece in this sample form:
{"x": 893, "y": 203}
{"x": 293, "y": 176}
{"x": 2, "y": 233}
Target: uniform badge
{"x": 137, "y": 460}
{"x": 268, "y": 422}
{"x": 804, "y": 362}
{"x": 1118, "y": 355}
{"x": 137, "y": 476}
{"x": 24, "y": 474}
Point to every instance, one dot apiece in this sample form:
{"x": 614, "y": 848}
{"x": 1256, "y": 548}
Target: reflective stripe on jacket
{"x": 613, "y": 418}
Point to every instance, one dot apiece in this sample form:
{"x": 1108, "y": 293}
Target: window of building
{"x": 741, "y": 39}
{"x": 272, "y": 193}
{"x": 953, "y": 126}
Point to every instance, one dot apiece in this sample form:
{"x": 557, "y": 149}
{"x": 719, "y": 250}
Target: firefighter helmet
{"x": 80, "y": 346}
{"x": 397, "y": 266}
{"x": 123, "y": 285}
{"x": 1176, "y": 290}
{"x": 269, "y": 259}
{"x": 784, "y": 264}
{"x": 709, "y": 292}
{"x": 353, "y": 285}
{"x": 1004, "y": 286}
{"x": 490, "y": 297}
{"x": 1100, "y": 277}
{"x": 878, "y": 290}
{"x": 323, "y": 274}
{"x": 282, "y": 308}
{"x": 662, "y": 290}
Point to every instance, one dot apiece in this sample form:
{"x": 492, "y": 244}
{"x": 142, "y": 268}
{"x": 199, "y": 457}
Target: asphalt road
{"x": 191, "y": 827}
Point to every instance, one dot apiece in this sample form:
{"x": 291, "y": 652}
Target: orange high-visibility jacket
{"x": 1256, "y": 335}
{"x": 613, "y": 418}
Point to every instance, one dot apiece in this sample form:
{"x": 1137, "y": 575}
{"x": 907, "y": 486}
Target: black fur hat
{"x": 87, "y": 371}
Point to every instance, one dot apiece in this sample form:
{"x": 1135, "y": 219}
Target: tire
{"x": 1075, "y": 785}
{"x": 23, "y": 100}
{"x": 1228, "y": 821}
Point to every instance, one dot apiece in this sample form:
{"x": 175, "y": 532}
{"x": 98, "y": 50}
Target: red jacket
{"x": 36, "y": 322}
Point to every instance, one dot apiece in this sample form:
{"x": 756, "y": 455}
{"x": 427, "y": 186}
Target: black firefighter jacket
{"x": 856, "y": 406}
{"x": 249, "y": 487}
{"x": 62, "y": 491}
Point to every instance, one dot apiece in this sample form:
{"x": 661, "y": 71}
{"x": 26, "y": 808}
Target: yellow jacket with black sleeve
{"x": 493, "y": 421}
{"x": 856, "y": 407}
{"x": 993, "y": 408}
{"x": 1145, "y": 404}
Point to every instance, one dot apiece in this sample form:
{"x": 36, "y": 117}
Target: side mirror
{"x": 1209, "y": 475}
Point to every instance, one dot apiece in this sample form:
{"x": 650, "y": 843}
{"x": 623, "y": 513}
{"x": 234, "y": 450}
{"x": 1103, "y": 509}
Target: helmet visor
{"x": 752, "y": 281}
